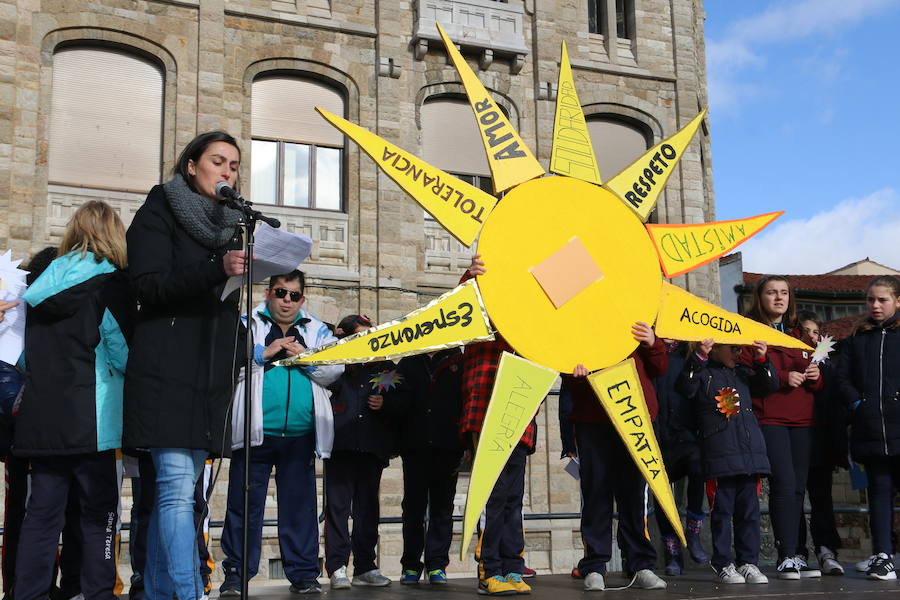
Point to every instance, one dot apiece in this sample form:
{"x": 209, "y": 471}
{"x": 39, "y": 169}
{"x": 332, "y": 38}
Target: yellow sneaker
{"x": 496, "y": 586}
{"x": 515, "y": 580}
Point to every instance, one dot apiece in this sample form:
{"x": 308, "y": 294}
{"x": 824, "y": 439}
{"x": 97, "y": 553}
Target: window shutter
{"x": 105, "y": 120}
{"x": 283, "y": 108}
{"x": 616, "y": 144}
{"x": 450, "y": 137}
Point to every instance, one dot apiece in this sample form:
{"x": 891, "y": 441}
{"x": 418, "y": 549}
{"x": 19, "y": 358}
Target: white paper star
{"x": 823, "y": 349}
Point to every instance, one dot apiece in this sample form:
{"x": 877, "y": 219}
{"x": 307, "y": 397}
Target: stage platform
{"x": 694, "y": 584}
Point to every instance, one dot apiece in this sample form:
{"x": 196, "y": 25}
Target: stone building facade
{"x": 639, "y": 66}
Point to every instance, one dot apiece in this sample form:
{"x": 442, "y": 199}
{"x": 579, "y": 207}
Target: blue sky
{"x": 805, "y": 117}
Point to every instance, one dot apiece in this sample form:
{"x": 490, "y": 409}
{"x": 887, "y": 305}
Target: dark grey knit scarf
{"x": 207, "y": 222}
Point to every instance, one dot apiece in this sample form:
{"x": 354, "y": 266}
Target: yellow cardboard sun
{"x": 571, "y": 266}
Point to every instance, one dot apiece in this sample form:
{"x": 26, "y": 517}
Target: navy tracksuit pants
{"x": 608, "y": 473}
{"x": 94, "y": 479}
{"x": 789, "y": 452}
{"x": 429, "y": 485}
{"x": 352, "y": 481}
{"x": 884, "y": 479}
{"x": 298, "y": 524}
{"x": 734, "y": 502}
{"x": 691, "y": 468}
{"x": 502, "y": 540}
{"x": 822, "y": 527}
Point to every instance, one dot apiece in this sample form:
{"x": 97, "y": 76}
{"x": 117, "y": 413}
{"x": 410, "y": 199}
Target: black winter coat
{"x": 358, "y": 428}
{"x": 676, "y": 427}
{"x": 869, "y": 383}
{"x": 181, "y": 370}
{"x": 429, "y": 398}
{"x": 735, "y": 445}
{"x": 79, "y": 319}
{"x": 829, "y": 434}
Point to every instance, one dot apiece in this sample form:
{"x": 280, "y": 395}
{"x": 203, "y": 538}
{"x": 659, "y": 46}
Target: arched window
{"x": 297, "y": 156}
{"x": 617, "y": 143}
{"x": 451, "y": 141}
{"x": 105, "y": 120}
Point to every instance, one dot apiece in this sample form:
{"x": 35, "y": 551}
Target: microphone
{"x": 234, "y": 200}
{"x": 226, "y": 192}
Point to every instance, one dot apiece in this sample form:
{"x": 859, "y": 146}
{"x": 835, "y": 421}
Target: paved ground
{"x": 694, "y": 584}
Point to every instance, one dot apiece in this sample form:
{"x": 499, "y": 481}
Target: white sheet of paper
{"x": 573, "y": 468}
{"x": 275, "y": 252}
{"x": 12, "y": 328}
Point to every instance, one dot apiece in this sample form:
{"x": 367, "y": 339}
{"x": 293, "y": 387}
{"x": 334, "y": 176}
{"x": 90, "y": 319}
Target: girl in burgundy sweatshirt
{"x": 786, "y": 419}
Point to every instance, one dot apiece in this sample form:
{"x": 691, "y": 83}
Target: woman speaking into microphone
{"x": 183, "y": 245}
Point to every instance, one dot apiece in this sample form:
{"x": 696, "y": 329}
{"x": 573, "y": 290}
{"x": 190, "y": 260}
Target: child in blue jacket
{"x": 733, "y": 451}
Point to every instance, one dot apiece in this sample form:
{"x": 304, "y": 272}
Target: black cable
{"x": 215, "y": 477}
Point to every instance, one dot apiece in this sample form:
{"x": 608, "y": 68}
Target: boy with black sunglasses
{"x": 292, "y": 424}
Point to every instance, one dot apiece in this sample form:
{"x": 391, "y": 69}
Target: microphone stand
{"x": 251, "y": 216}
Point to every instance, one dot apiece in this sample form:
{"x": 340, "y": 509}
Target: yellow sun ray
{"x": 619, "y": 390}
{"x": 640, "y": 184}
{"x": 460, "y": 207}
{"x": 510, "y": 159}
{"x": 588, "y": 263}
{"x": 684, "y": 316}
{"x": 456, "y": 318}
{"x": 683, "y": 247}
{"x": 519, "y": 389}
{"x": 572, "y": 153}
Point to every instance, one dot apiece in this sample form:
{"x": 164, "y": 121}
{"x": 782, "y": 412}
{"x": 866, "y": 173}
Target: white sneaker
{"x": 752, "y": 574}
{"x": 882, "y": 568}
{"x": 339, "y": 579}
{"x": 594, "y": 583}
{"x": 648, "y": 580}
{"x": 373, "y": 578}
{"x": 828, "y": 562}
{"x": 728, "y": 574}
{"x": 863, "y": 565}
{"x": 788, "y": 569}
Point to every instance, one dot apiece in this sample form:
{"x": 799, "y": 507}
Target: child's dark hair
{"x": 348, "y": 325}
{"x": 756, "y": 311}
{"x": 892, "y": 282}
{"x": 295, "y": 275}
{"x": 808, "y": 315}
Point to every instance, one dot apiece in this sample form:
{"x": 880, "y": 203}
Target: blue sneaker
{"x": 410, "y": 577}
{"x": 437, "y": 576}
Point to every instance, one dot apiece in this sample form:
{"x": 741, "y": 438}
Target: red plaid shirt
{"x": 480, "y": 362}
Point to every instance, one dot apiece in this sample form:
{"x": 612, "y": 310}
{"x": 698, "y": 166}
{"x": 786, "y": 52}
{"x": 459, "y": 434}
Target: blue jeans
{"x": 172, "y": 564}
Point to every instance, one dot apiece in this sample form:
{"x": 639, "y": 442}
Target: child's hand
{"x": 796, "y": 379}
{"x": 705, "y": 346}
{"x": 580, "y": 371}
{"x": 5, "y": 306}
{"x": 812, "y": 372}
{"x": 477, "y": 266}
{"x": 376, "y": 402}
{"x": 643, "y": 333}
{"x": 276, "y": 346}
{"x": 760, "y": 348}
